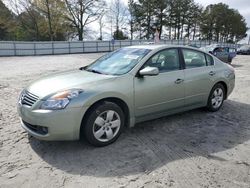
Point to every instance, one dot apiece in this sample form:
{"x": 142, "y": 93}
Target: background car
{"x": 122, "y": 88}
{"x": 244, "y": 50}
{"x": 225, "y": 54}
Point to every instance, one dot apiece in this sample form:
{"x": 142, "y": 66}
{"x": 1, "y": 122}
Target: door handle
{"x": 211, "y": 73}
{"x": 178, "y": 81}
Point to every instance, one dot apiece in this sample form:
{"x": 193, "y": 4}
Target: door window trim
{"x": 207, "y": 60}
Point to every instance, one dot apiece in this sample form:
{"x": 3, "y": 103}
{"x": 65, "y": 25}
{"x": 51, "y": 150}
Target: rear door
{"x": 198, "y": 76}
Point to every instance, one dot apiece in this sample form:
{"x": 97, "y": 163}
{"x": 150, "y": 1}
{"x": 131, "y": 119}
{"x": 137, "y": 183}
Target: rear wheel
{"x": 216, "y": 98}
{"x": 104, "y": 124}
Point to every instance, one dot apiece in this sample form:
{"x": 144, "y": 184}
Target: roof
{"x": 148, "y": 46}
{"x": 158, "y": 46}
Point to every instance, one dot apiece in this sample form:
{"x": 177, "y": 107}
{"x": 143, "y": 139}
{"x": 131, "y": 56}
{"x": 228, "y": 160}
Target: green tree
{"x": 145, "y": 16}
{"x": 180, "y": 13}
{"x": 161, "y": 11}
{"x": 177, "y": 16}
{"x": 54, "y": 12}
{"x": 7, "y": 23}
{"x": 220, "y": 23}
{"x": 40, "y": 20}
{"x": 30, "y": 26}
{"x": 136, "y": 14}
{"x": 119, "y": 35}
{"x": 27, "y": 20}
{"x": 132, "y": 17}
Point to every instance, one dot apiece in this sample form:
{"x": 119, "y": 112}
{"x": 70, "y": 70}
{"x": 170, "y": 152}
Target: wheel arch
{"x": 225, "y": 86}
{"x": 121, "y": 103}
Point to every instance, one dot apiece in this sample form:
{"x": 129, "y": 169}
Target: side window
{"x": 210, "y": 60}
{"x": 193, "y": 59}
{"x": 165, "y": 61}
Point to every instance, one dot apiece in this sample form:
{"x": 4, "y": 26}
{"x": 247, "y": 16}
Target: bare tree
{"x": 131, "y": 20}
{"x": 101, "y": 24}
{"x": 119, "y": 13}
{"x": 47, "y": 4}
{"x": 83, "y": 12}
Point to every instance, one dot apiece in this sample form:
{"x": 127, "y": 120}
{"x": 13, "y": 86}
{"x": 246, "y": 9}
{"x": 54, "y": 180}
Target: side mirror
{"x": 149, "y": 71}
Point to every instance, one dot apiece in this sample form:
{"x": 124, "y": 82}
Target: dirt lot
{"x": 191, "y": 149}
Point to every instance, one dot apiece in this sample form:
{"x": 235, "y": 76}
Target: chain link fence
{"x": 19, "y": 48}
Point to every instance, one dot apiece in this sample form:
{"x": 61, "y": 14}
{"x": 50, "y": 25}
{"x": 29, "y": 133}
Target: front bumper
{"x": 60, "y": 124}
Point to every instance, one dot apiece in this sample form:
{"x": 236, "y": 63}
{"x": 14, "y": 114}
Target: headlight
{"x": 60, "y": 100}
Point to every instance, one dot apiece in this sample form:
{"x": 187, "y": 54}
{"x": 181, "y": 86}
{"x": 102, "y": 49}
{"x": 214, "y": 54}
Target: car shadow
{"x": 152, "y": 144}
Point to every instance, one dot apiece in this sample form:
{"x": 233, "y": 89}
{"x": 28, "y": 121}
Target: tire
{"x": 216, "y": 98}
{"x": 104, "y": 124}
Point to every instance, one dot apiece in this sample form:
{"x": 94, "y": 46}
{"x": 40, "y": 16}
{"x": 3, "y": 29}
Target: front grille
{"x": 35, "y": 128}
{"x": 28, "y": 99}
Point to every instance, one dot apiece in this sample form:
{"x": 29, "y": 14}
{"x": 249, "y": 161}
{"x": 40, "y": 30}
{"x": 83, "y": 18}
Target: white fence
{"x": 16, "y": 48}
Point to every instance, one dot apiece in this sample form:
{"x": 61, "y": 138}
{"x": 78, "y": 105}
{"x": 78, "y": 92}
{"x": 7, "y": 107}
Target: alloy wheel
{"x": 106, "y": 126}
{"x": 217, "y": 97}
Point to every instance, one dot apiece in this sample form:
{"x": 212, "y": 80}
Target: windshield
{"x": 118, "y": 62}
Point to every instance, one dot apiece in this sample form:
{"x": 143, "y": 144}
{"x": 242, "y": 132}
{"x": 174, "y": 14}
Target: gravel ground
{"x": 191, "y": 149}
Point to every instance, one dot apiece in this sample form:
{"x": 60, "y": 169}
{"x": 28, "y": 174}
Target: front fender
{"x": 90, "y": 98}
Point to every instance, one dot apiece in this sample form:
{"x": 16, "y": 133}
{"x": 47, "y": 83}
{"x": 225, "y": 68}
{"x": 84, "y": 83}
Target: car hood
{"x": 66, "y": 80}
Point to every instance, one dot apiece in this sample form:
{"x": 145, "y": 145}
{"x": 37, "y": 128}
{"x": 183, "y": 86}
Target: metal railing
{"x": 20, "y": 48}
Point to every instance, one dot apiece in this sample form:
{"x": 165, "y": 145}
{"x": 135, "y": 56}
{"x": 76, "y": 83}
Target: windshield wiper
{"x": 94, "y": 71}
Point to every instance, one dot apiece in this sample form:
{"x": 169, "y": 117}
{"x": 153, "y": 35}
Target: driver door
{"x": 163, "y": 92}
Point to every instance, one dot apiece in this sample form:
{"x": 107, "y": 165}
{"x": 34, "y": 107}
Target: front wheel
{"x": 104, "y": 124}
{"x": 216, "y": 98}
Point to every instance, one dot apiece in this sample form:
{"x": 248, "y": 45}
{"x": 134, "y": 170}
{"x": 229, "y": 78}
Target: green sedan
{"x": 118, "y": 90}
